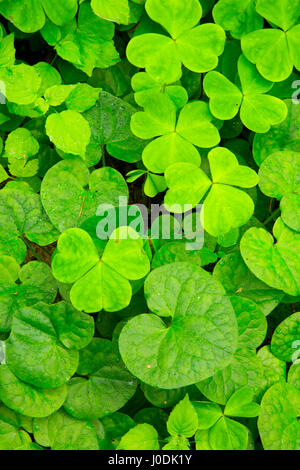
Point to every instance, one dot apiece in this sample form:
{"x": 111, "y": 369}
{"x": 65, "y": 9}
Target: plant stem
{"x": 31, "y": 249}
{"x": 54, "y": 59}
{"x": 272, "y": 216}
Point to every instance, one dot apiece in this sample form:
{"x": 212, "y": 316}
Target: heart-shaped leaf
{"x": 34, "y": 283}
{"x": 286, "y": 339}
{"x": 167, "y": 358}
{"x": 275, "y": 264}
{"x": 105, "y": 386}
{"x": 74, "y": 204}
{"x": 49, "y": 335}
{"x": 238, "y": 280}
{"x": 278, "y": 424}
{"x": 27, "y": 399}
{"x": 279, "y": 177}
{"x": 21, "y": 214}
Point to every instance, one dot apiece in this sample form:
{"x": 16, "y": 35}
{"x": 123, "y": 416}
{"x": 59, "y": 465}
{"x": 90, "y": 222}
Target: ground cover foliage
{"x": 134, "y": 342}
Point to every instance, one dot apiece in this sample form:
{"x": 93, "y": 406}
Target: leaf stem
{"x": 31, "y": 249}
{"x": 272, "y": 216}
{"x": 54, "y": 59}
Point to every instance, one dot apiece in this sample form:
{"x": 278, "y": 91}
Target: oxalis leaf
{"x": 273, "y": 51}
{"x": 178, "y": 138}
{"x": 30, "y": 15}
{"x": 258, "y": 111}
{"x": 145, "y": 86}
{"x": 237, "y": 16}
{"x": 100, "y": 283}
{"x": 197, "y": 47}
{"x": 197, "y": 308}
{"x": 225, "y": 207}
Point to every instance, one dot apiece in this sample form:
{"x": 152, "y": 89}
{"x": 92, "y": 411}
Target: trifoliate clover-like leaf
{"x": 274, "y": 51}
{"x": 145, "y": 86}
{"x": 208, "y": 413}
{"x": 279, "y": 177}
{"x": 73, "y": 204}
{"x": 102, "y": 388}
{"x": 237, "y": 16}
{"x": 178, "y": 137}
{"x": 100, "y": 283}
{"x": 276, "y": 264}
{"x": 227, "y": 434}
{"x": 166, "y": 357}
{"x": 197, "y": 47}
{"x": 258, "y": 110}
{"x": 30, "y": 15}
{"x": 241, "y": 404}
{"x": 225, "y": 207}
